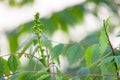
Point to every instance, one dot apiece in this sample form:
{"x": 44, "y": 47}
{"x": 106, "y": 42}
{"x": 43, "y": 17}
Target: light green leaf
{"x": 117, "y": 60}
{"x": 103, "y": 37}
{"x": 88, "y": 56}
{"x": 2, "y": 69}
{"x": 6, "y": 70}
{"x": 13, "y": 63}
{"x": 57, "y": 50}
{"x": 74, "y": 53}
{"x": 92, "y": 54}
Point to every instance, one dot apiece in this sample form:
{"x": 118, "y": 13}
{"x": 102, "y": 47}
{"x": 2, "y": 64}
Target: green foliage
{"x": 74, "y": 53}
{"x": 13, "y": 63}
{"x": 103, "y": 37}
{"x": 57, "y": 50}
{"x": 95, "y": 59}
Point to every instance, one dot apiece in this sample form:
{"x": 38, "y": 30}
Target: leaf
{"x": 117, "y": 60}
{"x": 13, "y": 63}
{"x": 6, "y": 70}
{"x": 25, "y": 76}
{"x": 57, "y": 50}
{"x": 108, "y": 68}
{"x": 83, "y": 71}
{"x": 42, "y": 77}
{"x": 2, "y": 69}
{"x": 88, "y": 56}
{"x": 103, "y": 37}
{"x": 74, "y": 53}
{"x": 107, "y": 60}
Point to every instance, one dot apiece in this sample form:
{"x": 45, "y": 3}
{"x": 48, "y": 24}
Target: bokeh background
{"x": 66, "y": 21}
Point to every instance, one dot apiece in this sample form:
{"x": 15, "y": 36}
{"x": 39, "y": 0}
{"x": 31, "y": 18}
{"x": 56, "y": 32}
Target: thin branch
{"x": 19, "y": 54}
{"x": 110, "y": 47}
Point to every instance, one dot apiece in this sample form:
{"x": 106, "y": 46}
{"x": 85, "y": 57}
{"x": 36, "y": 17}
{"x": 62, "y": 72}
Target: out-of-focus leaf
{"x": 6, "y": 68}
{"x": 103, "y": 37}
{"x": 90, "y": 39}
{"x": 108, "y": 68}
{"x": 25, "y": 76}
{"x": 117, "y": 60}
{"x": 42, "y": 77}
{"x": 92, "y": 54}
{"x": 57, "y": 50}
{"x": 2, "y": 69}
{"x": 107, "y": 60}
{"x": 83, "y": 71}
{"x": 13, "y": 63}
{"x": 74, "y": 53}
{"x": 2, "y": 78}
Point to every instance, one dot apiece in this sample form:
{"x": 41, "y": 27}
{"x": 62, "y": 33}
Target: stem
{"x": 113, "y": 53}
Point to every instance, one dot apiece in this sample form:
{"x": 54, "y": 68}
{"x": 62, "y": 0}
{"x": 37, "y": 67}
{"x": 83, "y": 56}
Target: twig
{"x": 110, "y": 46}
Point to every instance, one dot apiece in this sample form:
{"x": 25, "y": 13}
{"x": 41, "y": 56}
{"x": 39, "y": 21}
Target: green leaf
{"x": 42, "y": 77}
{"x": 103, "y": 37}
{"x": 83, "y": 71}
{"x": 6, "y": 70}
{"x": 57, "y": 50}
{"x": 25, "y": 76}
{"x": 108, "y": 68}
{"x": 74, "y": 53}
{"x": 117, "y": 60}
{"x": 2, "y": 69}
{"x": 13, "y": 63}
{"x": 107, "y": 60}
{"x": 88, "y": 56}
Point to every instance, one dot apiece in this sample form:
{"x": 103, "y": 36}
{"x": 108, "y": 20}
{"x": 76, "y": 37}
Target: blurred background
{"x": 66, "y": 21}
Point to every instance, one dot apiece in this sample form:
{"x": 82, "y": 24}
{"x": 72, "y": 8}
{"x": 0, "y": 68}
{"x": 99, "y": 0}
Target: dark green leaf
{"x": 13, "y": 63}
{"x": 74, "y": 53}
{"x": 57, "y": 50}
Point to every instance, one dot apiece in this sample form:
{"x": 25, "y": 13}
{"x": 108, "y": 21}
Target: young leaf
{"x": 57, "y": 50}
{"x": 13, "y": 63}
{"x": 103, "y": 37}
{"x": 88, "y": 56}
{"x": 74, "y": 53}
{"x": 2, "y": 69}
